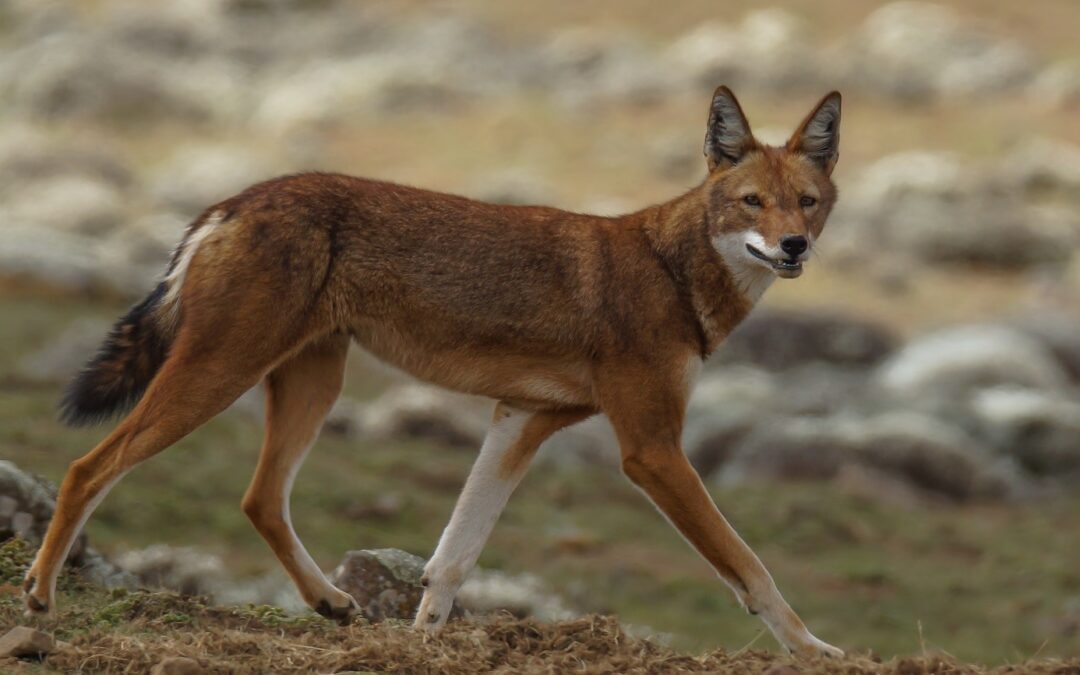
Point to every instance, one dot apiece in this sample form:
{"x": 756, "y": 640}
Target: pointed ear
{"x": 818, "y": 137}
{"x": 728, "y": 136}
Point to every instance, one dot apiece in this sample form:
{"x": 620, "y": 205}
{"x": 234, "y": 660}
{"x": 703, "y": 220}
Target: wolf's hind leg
{"x": 195, "y": 383}
{"x": 299, "y": 394}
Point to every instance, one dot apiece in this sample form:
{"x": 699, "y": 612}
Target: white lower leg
{"x": 765, "y": 601}
{"x": 482, "y": 500}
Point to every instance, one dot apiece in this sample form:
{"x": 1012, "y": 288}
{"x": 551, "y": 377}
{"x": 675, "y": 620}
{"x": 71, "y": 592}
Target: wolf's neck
{"x": 720, "y": 293}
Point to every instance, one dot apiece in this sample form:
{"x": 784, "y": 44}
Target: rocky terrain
{"x": 897, "y": 432}
{"x": 85, "y": 209}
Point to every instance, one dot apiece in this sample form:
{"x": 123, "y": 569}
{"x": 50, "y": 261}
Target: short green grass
{"x": 986, "y": 583}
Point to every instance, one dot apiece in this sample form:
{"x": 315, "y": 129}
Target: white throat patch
{"x": 751, "y": 277}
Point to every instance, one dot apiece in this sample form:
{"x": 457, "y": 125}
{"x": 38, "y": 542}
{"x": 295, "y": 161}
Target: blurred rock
{"x": 59, "y": 359}
{"x": 523, "y": 595}
{"x": 29, "y": 155}
{"x": 195, "y": 572}
{"x": 879, "y": 486}
{"x": 1039, "y": 429}
{"x": 930, "y": 207}
{"x": 911, "y": 50}
{"x": 783, "y": 339}
{"x": 78, "y": 204}
{"x": 185, "y": 570}
{"x": 328, "y": 93}
{"x": 83, "y": 74}
{"x": 675, "y": 157}
{"x": 512, "y": 185}
{"x": 731, "y": 402}
{"x": 182, "y": 30}
{"x": 196, "y": 177}
{"x": 422, "y": 411}
{"x": 1058, "y": 86}
{"x": 1058, "y": 333}
{"x": 33, "y": 497}
{"x": 587, "y": 64}
{"x": 726, "y": 405}
{"x": 926, "y": 453}
{"x": 589, "y": 442}
{"x": 148, "y": 242}
{"x": 954, "y": 361}
{"x": 393, "y": 66}
{"x": 1043, "y": 166}
{"x": 770, "y": 49}
{"x": 346, "y": 418}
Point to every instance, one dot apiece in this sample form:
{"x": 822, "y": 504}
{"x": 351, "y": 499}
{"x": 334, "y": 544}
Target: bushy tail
{"x": 115, "y": 379}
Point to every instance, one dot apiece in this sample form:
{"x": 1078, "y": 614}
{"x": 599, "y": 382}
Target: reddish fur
{"x": 563, "y": 314}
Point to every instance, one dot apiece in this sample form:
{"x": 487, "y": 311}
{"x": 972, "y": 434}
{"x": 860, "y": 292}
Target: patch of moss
{"x": 15, "y": 557}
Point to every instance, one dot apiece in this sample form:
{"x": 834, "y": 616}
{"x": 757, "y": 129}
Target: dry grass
{"x": 224, "y": 642}
{"x": 504, "y": 644}
{"x": 124, "y": 632}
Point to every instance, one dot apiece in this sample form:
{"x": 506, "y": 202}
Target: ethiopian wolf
{"x": 557, "y": 316}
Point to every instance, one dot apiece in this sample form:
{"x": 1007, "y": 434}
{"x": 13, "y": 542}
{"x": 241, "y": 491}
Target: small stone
{"x": 386, "y": 582}
{"x": 22, "y": 642}
{"x": 22, "y": 524}
{"x": 8, "y": 506}
{"x": 177, "y": 665}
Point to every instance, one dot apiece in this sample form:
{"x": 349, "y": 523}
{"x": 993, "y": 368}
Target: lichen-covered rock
{"x": 385, "y": 581}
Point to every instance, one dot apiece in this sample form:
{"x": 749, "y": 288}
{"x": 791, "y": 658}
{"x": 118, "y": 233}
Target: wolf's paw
{"x": 341, "y": 608}
{"x": 33, "y": 601}
{"x": 815, "y": 647}
{"x": 433, "y": 612}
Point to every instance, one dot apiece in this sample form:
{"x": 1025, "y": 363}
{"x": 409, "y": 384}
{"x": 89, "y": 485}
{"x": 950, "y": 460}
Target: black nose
{"x": 794, "y": 245}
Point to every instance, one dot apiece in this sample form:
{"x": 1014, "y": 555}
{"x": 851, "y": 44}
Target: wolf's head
{"x": 767, "y": 205}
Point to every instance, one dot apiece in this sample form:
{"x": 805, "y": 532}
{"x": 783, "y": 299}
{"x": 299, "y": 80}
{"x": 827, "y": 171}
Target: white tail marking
{"x": 175, "y": 278}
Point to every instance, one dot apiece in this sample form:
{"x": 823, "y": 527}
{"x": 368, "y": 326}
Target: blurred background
{"x": 897, "y": 433}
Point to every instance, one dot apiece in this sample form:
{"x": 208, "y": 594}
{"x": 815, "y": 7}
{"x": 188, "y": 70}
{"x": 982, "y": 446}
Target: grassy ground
{"x": 123, "y": 631}
{"x": 992, "y": 584}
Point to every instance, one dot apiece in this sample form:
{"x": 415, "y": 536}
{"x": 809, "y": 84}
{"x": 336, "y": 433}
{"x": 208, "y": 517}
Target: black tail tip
{"x": 115, "y": 379}
{"x": 89, "y": 400}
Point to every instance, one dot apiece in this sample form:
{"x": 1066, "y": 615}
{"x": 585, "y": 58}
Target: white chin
{"x": 788, "y": 273}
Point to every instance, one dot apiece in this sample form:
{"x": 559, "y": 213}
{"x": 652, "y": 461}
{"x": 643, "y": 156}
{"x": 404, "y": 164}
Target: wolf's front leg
{"x": 510, "y": 444}
{"x": 651, "y": 458}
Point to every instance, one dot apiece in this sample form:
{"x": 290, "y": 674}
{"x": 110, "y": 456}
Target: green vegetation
{"x": 992, "y": 584}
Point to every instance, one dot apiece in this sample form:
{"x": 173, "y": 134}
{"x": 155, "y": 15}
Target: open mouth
{"x": 789, "y": 267}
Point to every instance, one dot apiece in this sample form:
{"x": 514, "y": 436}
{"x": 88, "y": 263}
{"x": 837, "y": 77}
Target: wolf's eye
{"x": 806, "y": 201}
{"x": 752, "y": 200}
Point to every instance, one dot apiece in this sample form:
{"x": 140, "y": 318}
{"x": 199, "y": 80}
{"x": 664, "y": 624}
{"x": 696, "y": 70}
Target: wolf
{"x": 556, "y": 316}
